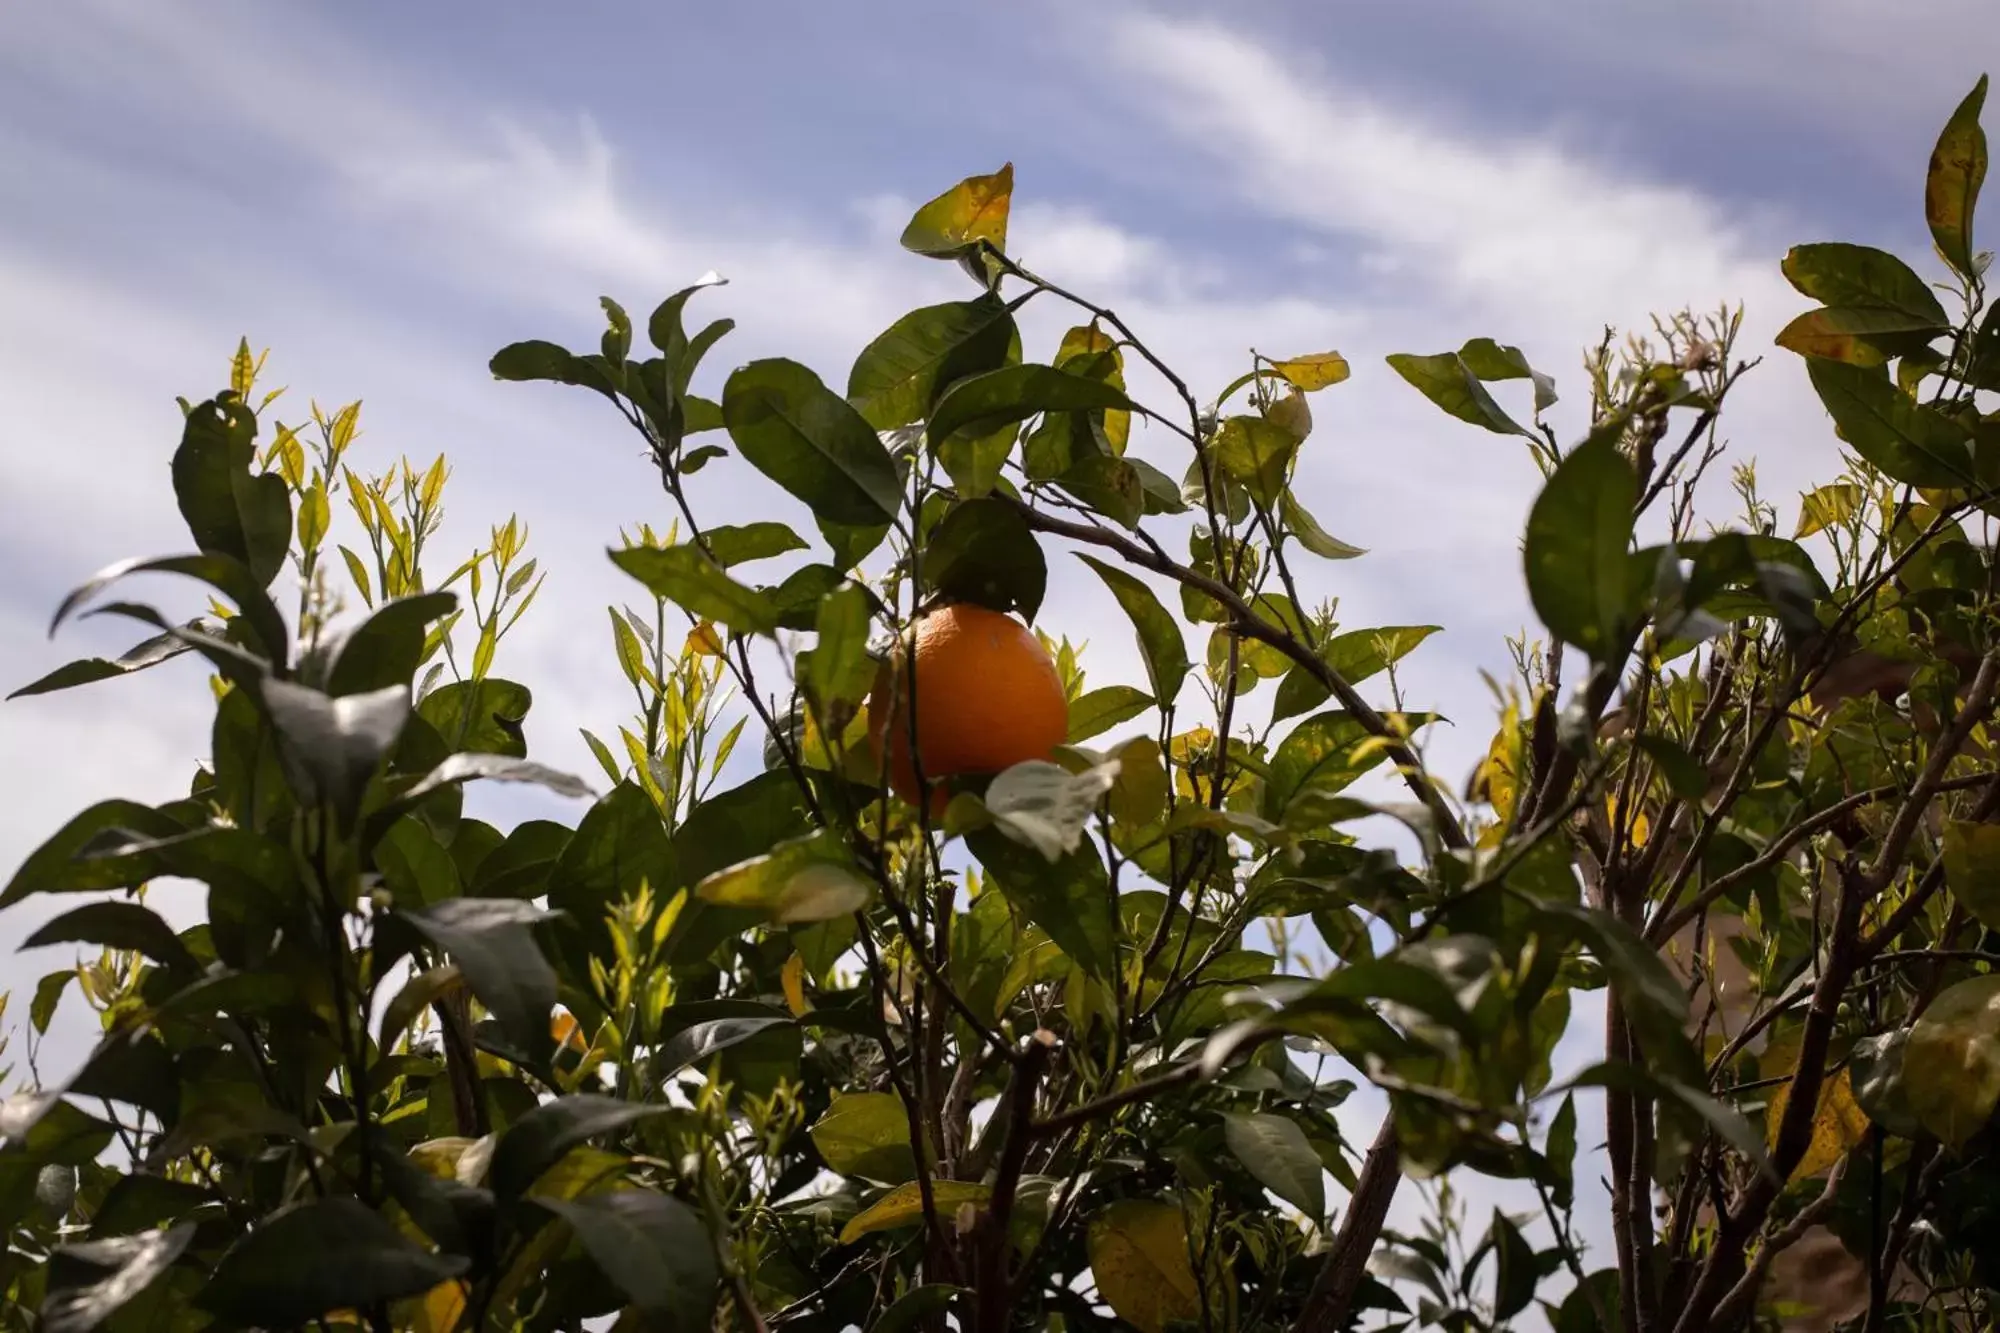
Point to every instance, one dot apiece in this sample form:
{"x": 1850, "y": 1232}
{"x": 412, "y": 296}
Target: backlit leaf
{"x": 1951, "y": 187}
{"x": 1318, "y": 370}
{"x": 972, "y": 211}
{"x": 1951, "y": 1063}
{"x": 1139, "y": 1257}
{"x": 903, "y": 1206}
{"x": 686, "y": 576}
{"x": 867, "y": 1134}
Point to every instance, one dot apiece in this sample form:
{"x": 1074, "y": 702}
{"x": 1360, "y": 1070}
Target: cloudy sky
{"x": 385, "y": 193}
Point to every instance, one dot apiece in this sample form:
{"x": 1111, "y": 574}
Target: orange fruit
{"x": 987, "y": 697}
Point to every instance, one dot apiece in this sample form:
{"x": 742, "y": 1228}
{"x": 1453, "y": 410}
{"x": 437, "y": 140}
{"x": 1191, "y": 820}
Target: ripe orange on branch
{"x": 986, "y": 697}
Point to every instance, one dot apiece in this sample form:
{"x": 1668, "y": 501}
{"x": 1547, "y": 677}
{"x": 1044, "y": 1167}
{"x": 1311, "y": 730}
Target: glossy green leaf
{"x": 121, "y": 1268}
{"x": 329, "y": 1254}
{"x": 1492, "y": 361}
{"x": 493, "y": 944}
{"x": 1354, "y": 656}
{"x": 1275, "y": 1150}
{"x": 653, "y": 1248}
{"x": 269, "y": 637}
{"x": 1909, "y": 442}
{"x": 983, "y": 551}
{"x": 117, "y": 925}
{"x": 1446, "y": 380}
{"x": 386, "y": 648}
{"x": 1516, "y": 1274}
{"x": 481, "y": 716}
{"x": 741, "y": 543}
{"x": 698, "y": 1042}
{"x": 813, "y": 878}
{"x": 685, "y": 576}
{"x": 809, "y": 440}
{"x": 1109, "y": 486}
{"x": 87, "y": 671}
{"x": 333, "y": 747}
{"x": 1951, "y": 187}
{"x": 1303, "y": 526}
{"x": 1099, "y": 710}
{"x": 1161, "y": 643}
{"x": 979, "y": 405}
{"x": 1579, "y": 533}
{"x": 539, "y": 360}
{"x": 1068, "y": 898}
{"x": 837, "y": 670}
{"x": 229, "y": 509}
{"x": 1860, "y": 336}
{"x": 539, "y": 1139}
{"x": 899, "y": 375}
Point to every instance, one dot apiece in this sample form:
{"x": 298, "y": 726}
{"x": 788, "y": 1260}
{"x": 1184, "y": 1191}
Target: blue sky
{"x": 384, "y": 193}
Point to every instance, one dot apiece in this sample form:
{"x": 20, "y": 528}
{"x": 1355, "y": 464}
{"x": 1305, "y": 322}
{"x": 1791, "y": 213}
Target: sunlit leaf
{"x": 1951, "y": 1063}
{"x": 903, "y": 1206}
{"x": 972, "y": 211}
{"x": 1951, "y": 187}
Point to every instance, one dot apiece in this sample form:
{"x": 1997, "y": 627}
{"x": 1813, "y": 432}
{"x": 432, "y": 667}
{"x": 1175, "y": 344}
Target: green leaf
{"x": 1682, "y": 1098}
{"x": 664, "y": 328}
{"x": 1517, "y": 1273}
{"x": 619, "y": 845}
{"x": 1648, "y": 991}
{"x": 117, "y": 925}
{"x": 617, "y": 339}
{"x": 539, "y": 1139}
{"x": 1446, "y": 380}
{"x": 809, "y": 440}
{"x": 867, "y": 1134}
{"x": 1275, "y": 1150}
{"x": 386, "y": 648}
{"x": 1909, "y": 442}
{"x": 473, "y": 767}
{"x": 330, "y": 1254}
{"x": 737, "y": 545}
{"x": 851, "y": 545}
{"x": 120, "y": 1269}
{"x": 1044, "y": 806}
{"x": 1579, "y": 532}
{"x": 333, "y": 747}
{"x": 1302, "y": 525}
{"x": 1069, "y": 899}
{"x": 653, "y": 1248}
{"x": 1102, "y": 709}
{"x": 915, "y": 1306}
{"x": 1951, "y": 187}
{"x": 837, "y": 670}
{"x": 797, "y": 600}
{"x": 969, "y": 213}
{"x": 41, "y": 1127}
{"x": 412, "y": 998}
{"x": 1838, "y": 274}
{"x": 903, "y": 1206}
{"x": 1109, "y": 486}
{"x": 1160, "y": 640}
{"x": 1492, "y": 361}
{"x": 89, "y": 670}
{"x": 1876, "y": 1076}
{"x": 1951, "y": 1062}
{"x": 974, "y": 463}
{"x": 229, "y": 510}
{"x": 1972, "y": 868}
{"x": 899, "y": 375}
{"x": 224, "y": 573}
{"x": 685, "y": 576}
{"x": 698, "y": 1041}
{"x": 48, "y": 994}
{"x": 1354, "y": 656}
{"x": 983, "y": 551}
{"x": 493, "y": 944}
{"x": 813, "y": 878}
{"x": 481, "y": 716}
{"x": 979, "y": 405}
{"x": 1318, "y": 756}
{"x": 1257, "y": 454}
{"x": 1684, "y": 774}
{"x": 539, "y": 360}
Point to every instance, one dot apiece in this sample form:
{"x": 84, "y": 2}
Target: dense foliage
{"x": 793, "y": 1053}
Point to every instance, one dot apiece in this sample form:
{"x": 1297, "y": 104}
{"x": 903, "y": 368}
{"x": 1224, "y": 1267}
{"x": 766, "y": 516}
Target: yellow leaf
{"x": 1318, "y": 370}
{"x": 903, "y": 1206}
{"x": 973, "y": 210}
{"x": 1839, "y": 1124}
{"x": 703, "y": 641}
{"x": 439, "y": 1310}
{"x": 1139, "y": 1257}
{"x": 242, "y": 370}
{"x": 793, "y": 977}
{"x": 1827, "y": 507}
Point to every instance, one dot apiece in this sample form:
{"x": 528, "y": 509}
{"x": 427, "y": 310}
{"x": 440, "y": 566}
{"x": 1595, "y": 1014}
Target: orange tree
{"x": 1037, "y": 1050}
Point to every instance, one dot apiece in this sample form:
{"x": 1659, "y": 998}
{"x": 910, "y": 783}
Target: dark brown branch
{"x": 1332, "y": 1293}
